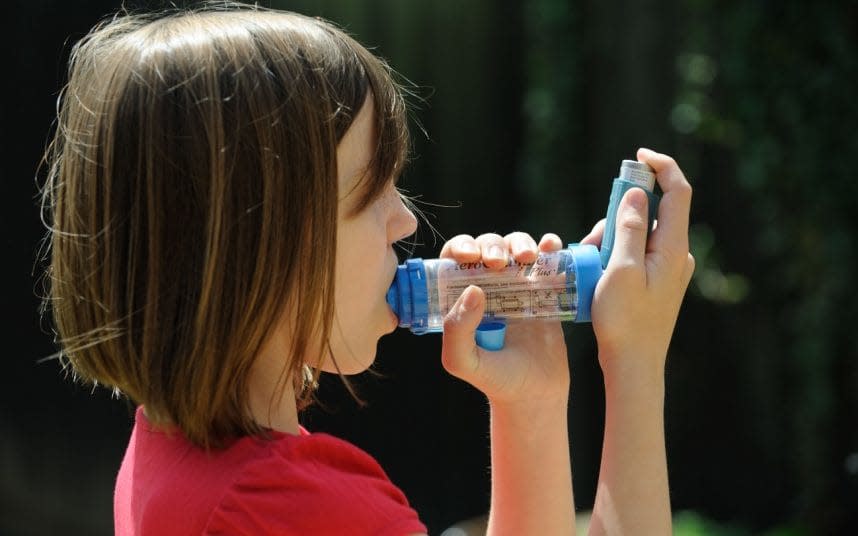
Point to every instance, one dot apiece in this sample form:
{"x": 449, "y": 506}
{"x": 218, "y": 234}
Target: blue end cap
{"x": 490, "y": 335}
{"x": 588, "y": 271}
{"x": 408, "y": 296}
{"x": 399, "y": 297}
{"x": 419, "y": 295}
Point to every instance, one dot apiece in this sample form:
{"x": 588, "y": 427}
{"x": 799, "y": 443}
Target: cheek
{"x": 356, "y": 275}
{"x": 361, "y": 261}
{"x": 362, "y": 241}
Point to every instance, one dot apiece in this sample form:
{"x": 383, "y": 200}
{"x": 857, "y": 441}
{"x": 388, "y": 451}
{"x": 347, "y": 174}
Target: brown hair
{"x": 191, "y": 180}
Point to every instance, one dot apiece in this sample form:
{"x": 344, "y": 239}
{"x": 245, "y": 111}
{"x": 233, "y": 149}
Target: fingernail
{"x": 496, "y": 252}
{"x": 637, "y": 199}
{"x": 468, "y": 247}
{"x": 469, "y": 300}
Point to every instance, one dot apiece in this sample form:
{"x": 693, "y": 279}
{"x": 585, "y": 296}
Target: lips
{"x": 391, "y": 280}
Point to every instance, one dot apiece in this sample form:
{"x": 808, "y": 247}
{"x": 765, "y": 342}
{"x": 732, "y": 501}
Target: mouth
{"x": 391, "y": 281}
{"x": 394, "y": 320}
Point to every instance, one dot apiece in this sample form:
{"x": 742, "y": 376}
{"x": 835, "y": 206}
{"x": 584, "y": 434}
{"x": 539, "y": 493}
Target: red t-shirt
{"x": 309, "y": 484}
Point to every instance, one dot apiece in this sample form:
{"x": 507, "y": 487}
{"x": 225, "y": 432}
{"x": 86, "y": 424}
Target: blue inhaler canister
{"x": 632, "y": 174}
{"x": 558, "y": 286}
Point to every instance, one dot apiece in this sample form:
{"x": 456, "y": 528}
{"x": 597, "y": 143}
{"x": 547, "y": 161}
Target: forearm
{"x": 634, "y": 311}
{"x": 632, "y": 495}
{"x": 531, "y": 471}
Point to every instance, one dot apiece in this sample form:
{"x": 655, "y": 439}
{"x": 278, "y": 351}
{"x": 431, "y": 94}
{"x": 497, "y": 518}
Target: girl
{"x": 208, "y": 168}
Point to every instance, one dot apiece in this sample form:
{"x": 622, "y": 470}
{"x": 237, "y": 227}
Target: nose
{"x": 403, "y": 222}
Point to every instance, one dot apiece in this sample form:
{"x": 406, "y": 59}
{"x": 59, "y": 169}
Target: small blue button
{"x": 490, "y": 335}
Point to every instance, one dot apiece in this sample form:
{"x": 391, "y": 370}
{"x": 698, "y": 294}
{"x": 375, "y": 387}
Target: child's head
{"x": 194, "y": 197}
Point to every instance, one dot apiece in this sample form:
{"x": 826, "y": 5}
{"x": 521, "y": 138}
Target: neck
{"x": 275, "y": 408}
{"x": 272, "y": 397}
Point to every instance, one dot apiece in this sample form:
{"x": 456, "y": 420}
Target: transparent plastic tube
{"x": 557, "y": 286}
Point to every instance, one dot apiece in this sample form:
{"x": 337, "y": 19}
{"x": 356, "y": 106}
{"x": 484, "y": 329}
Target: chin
{"x": 353, "y": 367}
{"x": 394, "y": 321}
{"x": 351, "y": 360}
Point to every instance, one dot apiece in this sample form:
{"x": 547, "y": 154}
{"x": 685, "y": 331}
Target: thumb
{"x": 631, "y": 229}
{"x": 459, "y": 353}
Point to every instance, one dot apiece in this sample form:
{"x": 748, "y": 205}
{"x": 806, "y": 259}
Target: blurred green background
{"x": 528, "y": 108}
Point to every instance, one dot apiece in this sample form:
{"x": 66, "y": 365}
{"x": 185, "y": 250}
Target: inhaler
{"x": 559, "y": 285}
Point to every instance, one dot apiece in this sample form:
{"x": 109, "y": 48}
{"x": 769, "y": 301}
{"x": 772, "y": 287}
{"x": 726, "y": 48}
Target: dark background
{"x": 529, "y": 108}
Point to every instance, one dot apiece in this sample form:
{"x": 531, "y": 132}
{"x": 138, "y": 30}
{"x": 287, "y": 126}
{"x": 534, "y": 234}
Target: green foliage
{"x": 760, "y": 111}
{"x": 770, "y": 89}
{"x": 690, "y": 523}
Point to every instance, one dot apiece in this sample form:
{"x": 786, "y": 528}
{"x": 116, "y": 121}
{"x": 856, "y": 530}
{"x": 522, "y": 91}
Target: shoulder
{"x": 315, "y": 484}
{"x": 166, "y": 485}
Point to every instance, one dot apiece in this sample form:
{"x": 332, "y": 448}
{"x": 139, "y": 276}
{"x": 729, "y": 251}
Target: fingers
{"x": 459, "y": 353}
{"x": 522, "y": 247}
{"x": 594, "y": 237}
{"x": 673, "y": 211}
{"x": 490, "y": 248}
{"x": 550, "y": 242}
{"x": 495, "y": 250}
{"x": 462, "y": 247}
{"x": 630, "y": 238}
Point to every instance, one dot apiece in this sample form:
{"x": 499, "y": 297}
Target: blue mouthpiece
{"x": 409, "y": 297}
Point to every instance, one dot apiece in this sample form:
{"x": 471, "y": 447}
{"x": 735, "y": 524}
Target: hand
{"x": 532, "y": 368}
{"x": 637, "y": 300}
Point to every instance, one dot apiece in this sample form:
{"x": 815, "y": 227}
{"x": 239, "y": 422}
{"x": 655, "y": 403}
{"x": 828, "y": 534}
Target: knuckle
{"x": 550, "y": 238}
{"x": 458, "y": 240}
{"x": 459, "y": 245}
{"x": 517, "y": 235}
{"x": 663, "y": 162}
{"x": 684, "y": 188}
{"x": 446, "y": 360}
{"x": 489, "y": 238}
{"x": 519, "y": 241}
{"x": 690, "y": 266}
{"x": 632, "y": 221}
{"x": 676, "y": 256}
{"x": 678, "y": 261}
{"x": 624, "y": 267}
{"x": 450, "y": 362}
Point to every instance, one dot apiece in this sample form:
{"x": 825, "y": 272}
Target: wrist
{"x": 531, "y": 411}
{"x": 633, "y": 373}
